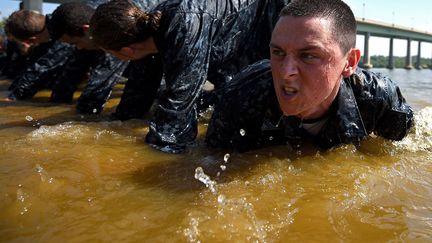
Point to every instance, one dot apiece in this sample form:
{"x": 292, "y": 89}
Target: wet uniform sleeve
{"x": 43, "y": 70}
{"x": 144, "y": 79}
{"x": 241, "y": 110}
{"x": 392, "y": 116}
{"x": 397, "y": 118}
{"x": 104, "y": 75}
{"x": 185, "y": 60}
{"x": 74, "y": 72}
{"x": 14, "y": 61}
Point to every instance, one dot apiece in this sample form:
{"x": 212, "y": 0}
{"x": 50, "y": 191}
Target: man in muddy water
{"x": 68, "y": 23}
{"x": 311, "y": 89}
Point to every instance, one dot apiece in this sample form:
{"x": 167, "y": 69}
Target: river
{"x": 71, "y": 178}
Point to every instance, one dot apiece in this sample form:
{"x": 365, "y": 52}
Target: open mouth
{"x": 289, "y": 91}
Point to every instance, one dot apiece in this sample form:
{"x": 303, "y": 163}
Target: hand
{"x": 7, "y": 100}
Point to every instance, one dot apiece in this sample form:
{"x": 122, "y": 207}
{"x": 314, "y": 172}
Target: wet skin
{"x": 307, "y": 65}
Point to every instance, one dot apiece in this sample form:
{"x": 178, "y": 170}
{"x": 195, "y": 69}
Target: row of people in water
{"x": 284, "y": 72}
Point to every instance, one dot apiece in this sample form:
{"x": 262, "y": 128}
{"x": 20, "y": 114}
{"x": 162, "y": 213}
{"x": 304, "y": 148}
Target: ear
{"x": 30, "y": 41}
{"x": 86, "y": 28}
{"x": 351, "y": 62}
{"x": 26, "y": 44}
{"x": 127, "y": 51}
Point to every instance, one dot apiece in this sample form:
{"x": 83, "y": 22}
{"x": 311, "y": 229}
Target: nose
{"x": 288, "y": 67}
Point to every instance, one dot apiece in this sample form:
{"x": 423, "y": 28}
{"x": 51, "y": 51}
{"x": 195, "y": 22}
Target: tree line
{"x": 399, "y": 62}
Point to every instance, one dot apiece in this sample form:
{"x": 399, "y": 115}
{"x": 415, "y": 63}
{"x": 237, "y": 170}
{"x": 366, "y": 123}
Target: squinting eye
{"x": 278, "y": 52}
{"x": 308, "y": 56}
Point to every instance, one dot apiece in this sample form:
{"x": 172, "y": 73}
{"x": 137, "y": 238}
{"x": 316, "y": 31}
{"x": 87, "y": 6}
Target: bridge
{"x": 365, "y": 27}
{"x": 370, "y": 28}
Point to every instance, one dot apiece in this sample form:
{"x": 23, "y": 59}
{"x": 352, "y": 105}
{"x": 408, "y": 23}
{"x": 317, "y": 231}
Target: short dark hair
{"x": 344, "y": 26}
{"x": 119, "y": 23}
{"x": 23, "y": 24}
{"x": 68, "y": 18}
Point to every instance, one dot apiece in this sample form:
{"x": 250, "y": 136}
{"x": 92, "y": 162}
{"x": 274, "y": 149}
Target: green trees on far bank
{"x": 399, "y": 62}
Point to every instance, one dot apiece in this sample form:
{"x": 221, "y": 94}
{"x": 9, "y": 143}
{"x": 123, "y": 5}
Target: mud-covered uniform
{"x": 248, "y": 114}
{"x": 198, "y": 41}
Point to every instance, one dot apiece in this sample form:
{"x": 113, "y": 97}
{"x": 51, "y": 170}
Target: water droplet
{"x": 271, "y": 138}
{"x": 94, "y": 111}
{"x": 20, "y": 195}
{"x": 226, "y": 157}
{"x": 242, "y": 132}
{"x": 29, "y": 118}
{"x": 221, "y": 199}
{"x": 201, "y": 176}
{"x": 38, "y": 168}
{"x": 223, "y": 167}
{"x": 25, "y": 210}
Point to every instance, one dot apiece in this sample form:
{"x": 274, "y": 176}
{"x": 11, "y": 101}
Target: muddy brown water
{"x": 71, "y": 178}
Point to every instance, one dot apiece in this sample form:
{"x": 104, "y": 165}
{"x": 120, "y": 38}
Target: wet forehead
{"x": 302, "y": 31}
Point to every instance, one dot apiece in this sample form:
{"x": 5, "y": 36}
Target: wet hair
{"x": 120, "y": 23}
{"x": 344, "y": 26}
{"x": 68, "y": 18}
{"x": 23, "y": 24}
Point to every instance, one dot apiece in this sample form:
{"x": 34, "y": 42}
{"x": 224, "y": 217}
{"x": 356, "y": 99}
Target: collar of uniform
{"x": 350, "y": 121}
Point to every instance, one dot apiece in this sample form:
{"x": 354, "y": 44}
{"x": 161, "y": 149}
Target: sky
{"x": 413, "y": 14}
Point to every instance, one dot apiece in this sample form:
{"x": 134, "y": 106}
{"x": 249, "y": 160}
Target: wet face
{"x": 307, "y": 65}
{"x": 81, "y": 42}
{"x": 135, "y": 51}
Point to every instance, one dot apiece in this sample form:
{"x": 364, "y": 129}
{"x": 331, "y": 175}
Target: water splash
{"x": 221, "y": 199}
{"x": 420, "y": 137}
{"x": 201, "y": 176}
{"x": 226, "y": 158}
{"x": 67, "y": 130}
{"x": 192, "y": 232}
{"x": 43, "y": 174}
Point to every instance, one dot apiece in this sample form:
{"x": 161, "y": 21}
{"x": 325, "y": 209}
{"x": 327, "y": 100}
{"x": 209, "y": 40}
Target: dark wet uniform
{"x": 248, "y": 114}
{"x": 45, "y": 64}
{"x": 104, "y": 70}
{"x": 15, "y": 61}
{"x": 63, "y": 67}
{"x": 198, "y": 41}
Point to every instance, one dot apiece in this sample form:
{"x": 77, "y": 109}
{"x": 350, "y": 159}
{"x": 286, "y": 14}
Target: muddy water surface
{"x": 66, "y": 177}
